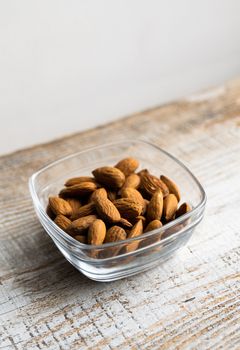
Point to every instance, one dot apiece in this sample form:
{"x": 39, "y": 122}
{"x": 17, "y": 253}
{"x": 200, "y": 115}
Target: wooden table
{"x": 190, "y": 302}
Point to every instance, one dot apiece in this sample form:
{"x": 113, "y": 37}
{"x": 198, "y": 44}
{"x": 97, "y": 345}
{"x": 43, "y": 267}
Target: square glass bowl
{"x": 112, "y": 261}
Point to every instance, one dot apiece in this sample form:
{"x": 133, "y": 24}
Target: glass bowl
{"x": 112, "y": 261}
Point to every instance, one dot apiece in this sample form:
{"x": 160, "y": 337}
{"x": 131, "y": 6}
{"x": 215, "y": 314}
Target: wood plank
{"x": 190, "y": 302}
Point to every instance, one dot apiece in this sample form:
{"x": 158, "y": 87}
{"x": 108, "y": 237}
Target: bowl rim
{"x": 77, "y": 244}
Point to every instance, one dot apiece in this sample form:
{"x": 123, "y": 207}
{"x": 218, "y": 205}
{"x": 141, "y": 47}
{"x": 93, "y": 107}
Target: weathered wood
{"x": 190, "y": 302}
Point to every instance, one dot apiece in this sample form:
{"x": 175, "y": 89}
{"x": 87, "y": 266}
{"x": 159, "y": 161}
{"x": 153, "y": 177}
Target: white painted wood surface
{"x": 190, "y": 302}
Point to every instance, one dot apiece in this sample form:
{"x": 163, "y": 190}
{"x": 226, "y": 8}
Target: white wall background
{"x": 70, "y": 65}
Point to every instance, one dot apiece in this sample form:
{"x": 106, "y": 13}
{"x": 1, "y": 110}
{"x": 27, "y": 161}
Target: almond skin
{"x": 109, "y": 176}
{"x": 59, "y": 206}
{"x": 151, "y": 183}
{"x": 80, "y": 225}
{"x": 134, "y": 195}
{"x": 128, "y": 208}
{"x": 137, "y": 230}
{"x": 153, "y": 225}
{"x": 143, "y": 172}
{"x": 100, "y": 192}
{"x": 50, "y": 213}
{"x": 183, "y": 209}
{"x": 155, "y": 206}
{"x": 133, "y": 181}
{"x": 97, "y": 232}
{"x": 63, "y": 222}
{"x": 172, "y": 187}
{"x": 85, "y": 210}
{"x": 77, "y": 180}
{"x": 75, "y": 204}
{"x": 127, "y": 165}
{"x": 125, "y": 223}
{"x": 81, "y": 189}
{"x": 112, "y": 195}
{"x": 170, "y": 205}
{"x": 114, "y": 234}
{"x": 81, "y": 238}
{"x": 107, "y": 210}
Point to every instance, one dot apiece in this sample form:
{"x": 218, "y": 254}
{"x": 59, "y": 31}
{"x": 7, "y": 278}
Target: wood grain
{"x": 190, "y": 302}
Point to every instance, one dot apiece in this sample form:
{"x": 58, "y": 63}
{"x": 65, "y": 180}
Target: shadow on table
{"x": 44, "y": 269}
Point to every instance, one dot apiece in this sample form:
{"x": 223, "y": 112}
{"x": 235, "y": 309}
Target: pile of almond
{"x": 115, "y": 203}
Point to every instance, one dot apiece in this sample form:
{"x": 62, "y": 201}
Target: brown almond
{"x": 60, "y": 206}
{"x": 63, "y": 222}
{"x": 151, "y": 183}
{"x": 97, "y": 232}
{"x": 136, "y": 231}
{"x": 143, "y": 172}
{"x": 183, "y": 209}
{"x": 153, "y": 225}
{"x": 50, "y": 213}
{"x": 133, "y": 181}
{"x": 75, "y": 204}
{"x": 85, "y": 210}
{"x": 170, "y": 204}
{"x": 77, "y": 180}
{"x": 141, "y": 217}
{"x": 109, "y": 176}
{"x": 114, "y": 234}
{"x": 127, "y": 165}
{"x": 107, "y": 210}
{"x": 100, "y": 192}
{"x": 133, "y": 194}
{"x": 81, "y": 238}
{"x": 81, "y": 189}
{"x": 172, "y": 187}
{"x": 112, "y": 195}
{"x": 80, "y": 225}
{"x": 125, "y": 223}
{"x": 128, "y": 208}
{"x": 155, "y": 206}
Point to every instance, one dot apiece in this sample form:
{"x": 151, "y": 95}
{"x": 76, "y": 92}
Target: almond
{"x": 60, "y": 206}
{"x": 151, "y": 183}
{"x": 140, "y": 217}
{"x": 50, "y": 213}
{"x": 143, "y": 172}
{"x": 100, "y": 192}
{"x": 107, "y": 210}
{"x": 109, "y": 176}
{"x": 170, "y": 204}
{"x": 125, "y": 223}
{"x": 80, "y": 189}
{"x": 81, "y": 238}
{"x": 85, "y": 210}
{"x": 134, "y": 195}
{"x": 63, "y": 222}
{"x": 112, "y": 195}
{"x": 127, "y": 165}
{"x": 75, "y": 204}
{"x": 153, "y": 225}
{"x": 128, "y": 208}
{"x": 114, "y": 234}
{"x": 80, "y": 225}
{"x": 183, "y": 209}
{"x": 77, "y": 180}
{"x": 172, "y": 187}
{"x": 155, "y": 206}
{"x": 132, "y": 181}
{"x": 97, "y": 232}
{"x": 137, "y": 230}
